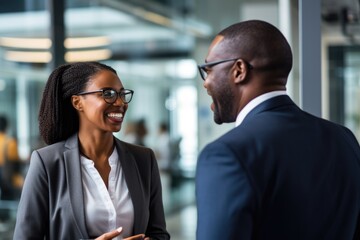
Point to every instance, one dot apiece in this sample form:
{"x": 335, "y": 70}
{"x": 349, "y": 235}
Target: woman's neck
{"x": 96, "y": 148}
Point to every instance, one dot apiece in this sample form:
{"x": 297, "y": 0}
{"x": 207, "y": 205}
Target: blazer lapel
{"x": 132, "y": 178}
{"x": 74, "y": 183}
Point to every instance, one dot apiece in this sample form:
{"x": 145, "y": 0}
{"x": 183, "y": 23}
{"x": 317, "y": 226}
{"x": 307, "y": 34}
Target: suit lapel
{"x": 74, "y": 183}
{"x": 134, "y": 185}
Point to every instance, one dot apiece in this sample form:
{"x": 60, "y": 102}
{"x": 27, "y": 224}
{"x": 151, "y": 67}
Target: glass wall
{"x": 345, "y": 86}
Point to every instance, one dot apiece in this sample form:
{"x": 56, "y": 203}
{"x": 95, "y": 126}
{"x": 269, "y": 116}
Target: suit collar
{"x": 269, "y": 104}
{"x": 255, "y": 102}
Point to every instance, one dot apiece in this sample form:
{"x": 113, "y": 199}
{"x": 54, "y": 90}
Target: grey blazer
{"x": 51, "y": 204}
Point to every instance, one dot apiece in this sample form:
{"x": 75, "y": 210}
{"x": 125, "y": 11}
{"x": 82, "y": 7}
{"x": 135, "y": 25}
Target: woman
{"x": 87, "y": 183}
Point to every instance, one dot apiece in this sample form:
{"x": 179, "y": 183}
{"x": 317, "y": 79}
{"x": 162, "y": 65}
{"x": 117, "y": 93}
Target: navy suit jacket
{"x": 51, "y": 204}
{"x": 281, "y": 174}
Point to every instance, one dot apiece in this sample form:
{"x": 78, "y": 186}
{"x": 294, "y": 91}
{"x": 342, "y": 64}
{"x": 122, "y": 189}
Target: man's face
{"x": 218, "y": 84}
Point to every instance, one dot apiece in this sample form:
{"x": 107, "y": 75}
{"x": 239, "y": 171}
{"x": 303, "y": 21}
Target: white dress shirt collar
{"x": 255, "y": 102}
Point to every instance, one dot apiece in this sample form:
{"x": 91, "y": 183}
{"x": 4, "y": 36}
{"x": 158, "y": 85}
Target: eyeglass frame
{"x": 118, "y": 94}
{"x": 202, "y": 67}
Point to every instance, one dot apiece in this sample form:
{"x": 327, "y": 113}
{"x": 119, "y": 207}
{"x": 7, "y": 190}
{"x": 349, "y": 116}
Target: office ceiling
{"x": 150, "y": 31}
{"x": 133, "y": 31}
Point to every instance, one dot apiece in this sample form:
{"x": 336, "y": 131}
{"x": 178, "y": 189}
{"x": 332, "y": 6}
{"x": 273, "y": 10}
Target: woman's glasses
{"x": 110, "y": 95}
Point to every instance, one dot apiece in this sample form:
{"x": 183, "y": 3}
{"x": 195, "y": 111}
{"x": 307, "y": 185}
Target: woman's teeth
{"x": 115, "y": 115}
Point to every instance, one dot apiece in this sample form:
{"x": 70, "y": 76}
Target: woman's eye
{"x": 109, "y": 93}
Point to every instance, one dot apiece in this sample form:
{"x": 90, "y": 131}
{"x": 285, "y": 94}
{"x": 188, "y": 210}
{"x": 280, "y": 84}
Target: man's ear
{"x": 76, "y": 102}
{"x": 241, "y": 70}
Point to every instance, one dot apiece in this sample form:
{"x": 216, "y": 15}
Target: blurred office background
{"x": 155, "y": 45}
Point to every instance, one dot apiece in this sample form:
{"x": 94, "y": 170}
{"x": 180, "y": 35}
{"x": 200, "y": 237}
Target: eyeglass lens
{"x": 110, "y": 95}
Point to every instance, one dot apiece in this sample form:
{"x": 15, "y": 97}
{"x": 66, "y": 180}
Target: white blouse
{"x": 106, "y": 209}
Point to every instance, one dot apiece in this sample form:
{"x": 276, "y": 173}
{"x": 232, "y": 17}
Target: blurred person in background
{"x": 135, "y": 132}
{"x": 162, "y": 148}
{"x": 129, "y": 132}
{"x": 141, "y": 132}
{"x": 281, "y": 173}
{"x": 87, "y": 183}
{"x": 11, "y": 179}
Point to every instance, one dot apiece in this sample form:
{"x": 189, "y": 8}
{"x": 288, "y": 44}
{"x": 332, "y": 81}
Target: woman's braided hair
{"x": 58, "y": 119}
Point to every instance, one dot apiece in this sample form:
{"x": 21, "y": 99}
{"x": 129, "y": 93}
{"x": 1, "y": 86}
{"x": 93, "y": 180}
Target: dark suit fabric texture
{"x": 281, "y": 174}
{"x": 52, "y": 203}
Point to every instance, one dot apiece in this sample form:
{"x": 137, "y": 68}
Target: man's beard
{"x": 223, "y": 108}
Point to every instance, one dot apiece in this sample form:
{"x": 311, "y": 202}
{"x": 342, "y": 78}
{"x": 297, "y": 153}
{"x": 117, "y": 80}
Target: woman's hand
{"x": 117, "y": 232}
{"x": 137, "y": 237}
{"x": 110, "y": 235}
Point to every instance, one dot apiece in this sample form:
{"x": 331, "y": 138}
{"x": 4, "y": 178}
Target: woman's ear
{"x": 241, "y": 70}
{"x": 76, "y": 102}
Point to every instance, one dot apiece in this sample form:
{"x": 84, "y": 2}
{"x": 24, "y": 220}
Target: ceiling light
{"x": 86, "y": 42}
{"x": 25, "y": 43}
{"x": 40, "y": 47}
{"x": 45, "y": 43}
{"x": 29, "y": 57}
{"x": 88, "y": 55}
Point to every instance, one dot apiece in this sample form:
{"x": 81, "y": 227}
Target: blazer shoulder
{"x": 51, "y": 149}
{"x": 49, "y": 156}
{"x": 70, "y": 143}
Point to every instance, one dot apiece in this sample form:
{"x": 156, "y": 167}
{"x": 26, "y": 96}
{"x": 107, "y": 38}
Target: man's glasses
{"x": 110, "y": 95}
{"x": 204, "y": 67}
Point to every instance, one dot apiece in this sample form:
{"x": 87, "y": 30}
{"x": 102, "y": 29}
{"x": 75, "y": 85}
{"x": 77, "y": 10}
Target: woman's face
{"x": 94, "y": 113}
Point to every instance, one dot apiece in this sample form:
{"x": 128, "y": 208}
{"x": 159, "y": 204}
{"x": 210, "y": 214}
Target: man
{"x": 281, "y": 173}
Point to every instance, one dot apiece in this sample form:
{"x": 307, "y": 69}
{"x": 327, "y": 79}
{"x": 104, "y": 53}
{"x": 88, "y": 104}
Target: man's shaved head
{"x": 260, "y": 43}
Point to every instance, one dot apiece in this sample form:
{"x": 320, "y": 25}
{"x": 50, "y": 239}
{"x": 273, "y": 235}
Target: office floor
{"x": 180, "y": 210}
{"x": 179, "y": 205}
{"x": 182, "y": 225}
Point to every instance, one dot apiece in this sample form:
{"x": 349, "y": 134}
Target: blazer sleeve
{"x": 32, "y": 214}
{"x": 225, "y": 199}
